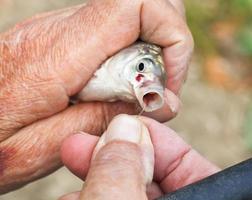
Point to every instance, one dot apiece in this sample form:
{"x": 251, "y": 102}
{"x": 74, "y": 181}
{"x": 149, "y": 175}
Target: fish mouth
{"x": 151, "y": 97}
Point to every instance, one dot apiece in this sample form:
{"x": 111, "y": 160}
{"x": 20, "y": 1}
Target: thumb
{"x": 122, "y": 163}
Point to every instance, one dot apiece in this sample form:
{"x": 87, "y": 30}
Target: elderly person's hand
{"x": 123, "y": 161}
{"x": 50, "y": 57}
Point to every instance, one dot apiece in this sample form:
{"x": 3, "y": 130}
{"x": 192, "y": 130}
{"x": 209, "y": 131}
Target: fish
{"x": 135, "y": 74}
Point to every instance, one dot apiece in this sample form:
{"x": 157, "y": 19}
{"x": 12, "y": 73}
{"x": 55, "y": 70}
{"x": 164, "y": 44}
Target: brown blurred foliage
{"x": 223, "y": 35}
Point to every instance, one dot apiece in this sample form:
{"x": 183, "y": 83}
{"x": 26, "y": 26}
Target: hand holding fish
{"x": 51, "y": 57}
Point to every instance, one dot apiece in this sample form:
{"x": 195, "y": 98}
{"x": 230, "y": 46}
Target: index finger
{"x": 176, "y": 163}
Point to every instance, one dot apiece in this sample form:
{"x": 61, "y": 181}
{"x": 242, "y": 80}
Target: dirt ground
{"x": 211, "y": 119}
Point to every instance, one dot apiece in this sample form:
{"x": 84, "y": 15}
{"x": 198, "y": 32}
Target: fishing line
{"x": 142, "y": 111}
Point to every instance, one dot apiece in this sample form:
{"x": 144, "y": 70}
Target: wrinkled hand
{"x": 50, "y": 57}
{"x": 123, "y": 161}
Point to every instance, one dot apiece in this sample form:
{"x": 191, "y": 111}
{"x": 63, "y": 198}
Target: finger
{"x": 179, "y": 5}
{"x": 41, "y": 91}
{"x": 170, "y": 31}
{"x": 35, "y": 150}
{"x": 179, "y": 165}
{"x": 154, "y": 191}
{"x": 71, "y": 196}
{"x": 123, "y": 157}
{"x": 81, "y": 144}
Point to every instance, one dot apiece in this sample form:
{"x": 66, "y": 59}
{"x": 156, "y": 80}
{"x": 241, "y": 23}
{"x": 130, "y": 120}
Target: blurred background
{"x": 216, "y": 114}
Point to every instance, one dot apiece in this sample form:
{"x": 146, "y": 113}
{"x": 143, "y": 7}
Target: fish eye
{"x": 141, "y": 67}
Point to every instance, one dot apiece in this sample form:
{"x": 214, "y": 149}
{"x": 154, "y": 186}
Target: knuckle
{"x": 190, "y": 40}
{"x": 185, "y": 41}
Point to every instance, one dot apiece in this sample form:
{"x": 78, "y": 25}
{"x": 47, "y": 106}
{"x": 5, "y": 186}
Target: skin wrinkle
{"x": 179, "y": 53}
{"x": 112, "y": 157}
{"x": 180, "y": 74}
{"x": 34, "y": 174}
{"x": 7, "y": 72}
{"x": 19, "y": 167}
{"x": 17, "y": 68}
{"x": 65, "y": 61}
{"x": 176, "y": 24}
{"x": 151, "y": 32}
{"x": 47, "y": 41}
{"x": 17, "y": 112}
{"x": 177, "y": 76}
{"x": 5, "y": 154}
{"x": 173, "y": 166}
{"x": 100, "y": 167}
{"x": 77, "y": 64}
{"x": 164, "y": 167}
{"x": 187, "y": 176}
{"x": 65, "y": 12}
{"x": 43, "y": 30}
{"x": 42, "y": 21}
{"x": 179, "y": 6}
{"x": 184, "y": 44}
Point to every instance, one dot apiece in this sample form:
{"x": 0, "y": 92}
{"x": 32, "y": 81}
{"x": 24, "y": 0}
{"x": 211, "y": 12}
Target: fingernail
{"x": 124, "y": 127}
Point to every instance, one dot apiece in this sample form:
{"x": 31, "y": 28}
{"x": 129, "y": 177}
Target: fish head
{"x": 147, "y": 76}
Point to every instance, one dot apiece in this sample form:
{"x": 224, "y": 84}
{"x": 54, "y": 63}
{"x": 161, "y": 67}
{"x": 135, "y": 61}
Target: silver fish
{"x": 134, "y": 74}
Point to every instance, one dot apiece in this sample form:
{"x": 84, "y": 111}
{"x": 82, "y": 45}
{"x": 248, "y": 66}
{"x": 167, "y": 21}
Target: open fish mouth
{"x": 150, "y": 98}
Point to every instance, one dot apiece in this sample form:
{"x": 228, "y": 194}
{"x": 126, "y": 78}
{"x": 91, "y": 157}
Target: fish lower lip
{"x": 151, "y": 97}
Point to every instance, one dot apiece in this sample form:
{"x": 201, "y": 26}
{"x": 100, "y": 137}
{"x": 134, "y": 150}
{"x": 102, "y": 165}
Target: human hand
{"x": 47, "y": 59}
{"x": 123, "y": 161}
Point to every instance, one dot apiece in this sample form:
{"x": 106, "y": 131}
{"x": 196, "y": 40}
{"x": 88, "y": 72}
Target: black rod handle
{"x": 233, "y": 183}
